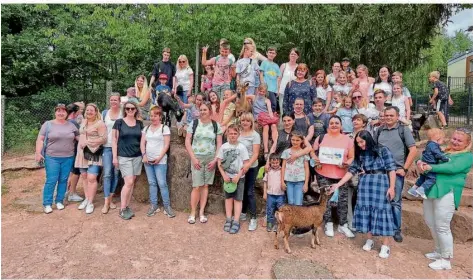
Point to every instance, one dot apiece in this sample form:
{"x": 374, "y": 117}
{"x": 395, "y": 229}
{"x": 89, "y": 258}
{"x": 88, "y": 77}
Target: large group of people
{"x": 345, "y": 131}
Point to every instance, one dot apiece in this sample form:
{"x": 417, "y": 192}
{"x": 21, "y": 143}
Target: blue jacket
{"x": 433, "y": 154}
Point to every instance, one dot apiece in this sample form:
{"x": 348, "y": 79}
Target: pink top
{"x": 222, "y": 68}
{"x": 364, "y": 87}
{"x": 273, "y": 178}
{"x": 341, "y": 141}
{"x": 207, "y": 83}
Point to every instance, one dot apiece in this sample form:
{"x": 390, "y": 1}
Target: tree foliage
{"x": 78, "y": 46}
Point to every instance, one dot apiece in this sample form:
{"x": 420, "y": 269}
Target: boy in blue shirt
{"x": 271, "y": 75}
{"x": 161, "y": 88}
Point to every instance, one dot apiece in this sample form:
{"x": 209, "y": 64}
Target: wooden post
{"x": 3, "y": 124}
{"x": 196, "y": 78}
{"x": 108, "y": 90}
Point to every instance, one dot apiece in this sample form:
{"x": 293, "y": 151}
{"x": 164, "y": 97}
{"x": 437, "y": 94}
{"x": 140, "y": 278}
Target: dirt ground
{"x": 71, "y": 244}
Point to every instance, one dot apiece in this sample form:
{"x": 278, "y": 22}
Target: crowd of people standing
{"x": 345, "y": 131}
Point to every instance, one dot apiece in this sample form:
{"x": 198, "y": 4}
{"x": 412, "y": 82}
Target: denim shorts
{"x": 92, "y": 169}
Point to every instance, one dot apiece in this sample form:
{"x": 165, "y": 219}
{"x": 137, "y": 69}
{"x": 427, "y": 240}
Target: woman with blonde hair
{"x": 248, "y": 42}
{"x": 143, "y": 94}
{"x": 184, "y": 78}
{"x": 93, "y": 134}
{"x": 363, "y": 82}
{"x": 252, "y": 142}
{"x": 444, "y": 197}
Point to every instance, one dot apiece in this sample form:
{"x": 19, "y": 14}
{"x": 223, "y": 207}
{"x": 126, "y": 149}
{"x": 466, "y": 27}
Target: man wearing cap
{"x": 346, "y": 67}
{"x": 164, "y": 67}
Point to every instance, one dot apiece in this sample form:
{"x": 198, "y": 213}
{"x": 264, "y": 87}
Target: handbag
{"x": 93, "y": 156}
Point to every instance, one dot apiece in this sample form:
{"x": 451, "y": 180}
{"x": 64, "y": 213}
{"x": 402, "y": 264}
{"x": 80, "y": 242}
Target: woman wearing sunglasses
{"x": 126, "y": 152}
{"x": 93, "y": 134}
{"x": 184, "y": 79}
{"x": 55, "y": 145}
{"x": 444, "y": 197}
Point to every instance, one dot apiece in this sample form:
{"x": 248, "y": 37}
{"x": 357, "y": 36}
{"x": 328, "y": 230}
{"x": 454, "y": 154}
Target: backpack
{"x": 400, "y": 130}
{"x": 194, "y": 128}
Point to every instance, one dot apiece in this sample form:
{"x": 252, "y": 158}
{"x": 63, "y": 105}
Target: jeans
{"x": 110, "y": 173}
{"x": 427, "y": 180}
{"x": 294, "y": 192}
{"x": 156, "y": 174}
{"x": 273, "y": 203}
{"x": 249, "y": 200}
{"x": 438, "y": 214}
{"x": 396, "y": 204}
{"x": 183, "y": 96}
{"x": 57, "y": 173}
{"x": 272, "y": 98}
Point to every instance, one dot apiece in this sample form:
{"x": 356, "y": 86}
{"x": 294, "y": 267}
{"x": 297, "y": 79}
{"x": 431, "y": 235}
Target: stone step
{"x": 413, "y": 223}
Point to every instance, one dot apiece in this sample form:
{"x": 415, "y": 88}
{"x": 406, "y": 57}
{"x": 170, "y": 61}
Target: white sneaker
{"x": 48, "y": 209}
{"x": 344, "y": 229}
{"x": 73, "y": 197}
{"x": 83, "y": 204}
{"x": 368, "y": 245}
{"x": 60, "y": 206}
{"x": 433, "y": 256}
{"x": 440, "y": 264}
{"x": 384, "y": 252}
{"x": 253, "y": 224}
{"x": 89, "y": 209}
{"x": 329, "y": 229}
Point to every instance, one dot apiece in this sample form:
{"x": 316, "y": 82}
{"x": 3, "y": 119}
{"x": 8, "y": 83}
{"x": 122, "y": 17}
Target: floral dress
{"x": 296, "y": 89}
{"x": 373, "y": 211}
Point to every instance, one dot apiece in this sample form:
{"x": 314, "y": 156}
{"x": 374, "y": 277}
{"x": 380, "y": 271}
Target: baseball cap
{"x": 346, "y": 59}
{"x": 163, "y": 76}
{"x": 229, "y": 187}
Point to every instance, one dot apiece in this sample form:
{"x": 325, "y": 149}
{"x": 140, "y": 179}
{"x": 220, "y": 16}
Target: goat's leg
{"x": 312, "y": 240}
{"x": 287, "y": 231}
{"x": 317, "y": 241}
{"x": 276, "y": 243}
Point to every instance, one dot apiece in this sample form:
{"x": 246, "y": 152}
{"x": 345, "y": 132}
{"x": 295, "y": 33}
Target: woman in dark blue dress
{"x": 373, "y": 214}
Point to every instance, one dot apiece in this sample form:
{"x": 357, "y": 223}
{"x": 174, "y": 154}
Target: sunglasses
{"x": 356, "y": 97}
{"x": 246, "y": 43}
{"x": 464, "y": 129}
{"x": 182, "y": 61}
{"x": 130, "y": 108}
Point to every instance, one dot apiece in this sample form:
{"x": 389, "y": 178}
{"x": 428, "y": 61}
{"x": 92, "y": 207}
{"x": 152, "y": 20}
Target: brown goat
{"x": 242, "y": 105}
{"x": 290, "y": 216}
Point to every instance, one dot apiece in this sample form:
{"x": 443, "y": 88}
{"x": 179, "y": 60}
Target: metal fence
{"x": 22, "y": 117}
{"x": 461, "y": 91}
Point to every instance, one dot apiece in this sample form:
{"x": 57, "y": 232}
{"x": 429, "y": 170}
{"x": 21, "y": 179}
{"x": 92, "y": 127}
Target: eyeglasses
{"x": 464, "y": 129}
{"x": 130, "y": 108}
{"x": 356, "y": 97}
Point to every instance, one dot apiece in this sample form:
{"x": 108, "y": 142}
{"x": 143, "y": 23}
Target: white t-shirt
{"x": 155, "y": 142}
{"x": 345, "y": 88}
{"x": 232, "y": 157}
{"x": 182, "y": 77}
{"x": 109, "y": 124}
{"x": 387, "y": 87}
{"x": 400, "y": 103}
{"x": 322, "y": 92}
{"x": 248, "y": 142}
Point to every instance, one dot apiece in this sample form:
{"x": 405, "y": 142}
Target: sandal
{"x": 227, "y": 225}
{"x": 235, "y": 227}
{"x": 191, "y": 220}
{"x": 203, "y": 219}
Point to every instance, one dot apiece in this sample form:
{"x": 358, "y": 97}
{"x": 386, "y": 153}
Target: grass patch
{"x": 20, "y": 149}
{"x": 4, "y": 189}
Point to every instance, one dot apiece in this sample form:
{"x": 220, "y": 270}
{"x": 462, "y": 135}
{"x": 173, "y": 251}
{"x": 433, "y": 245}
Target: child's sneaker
{"x": 412, "y": 191}
{"x": 269, "y": 227}
{"x": 420, "y": 191}
{"x": 243, "y": 217}
{"x": 368, "y": 245}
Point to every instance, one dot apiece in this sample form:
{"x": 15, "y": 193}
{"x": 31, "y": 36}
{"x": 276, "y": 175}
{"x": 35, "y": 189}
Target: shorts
{"x": 219, "y": 89}
{"x": 75, "y": 170}
{"x": 203, "y": 176}
{"x": 92, "y": 169}
{"x": 130, "y": 166}
{"x": 238, "y": 194}
{"x": 442, "y": 106}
